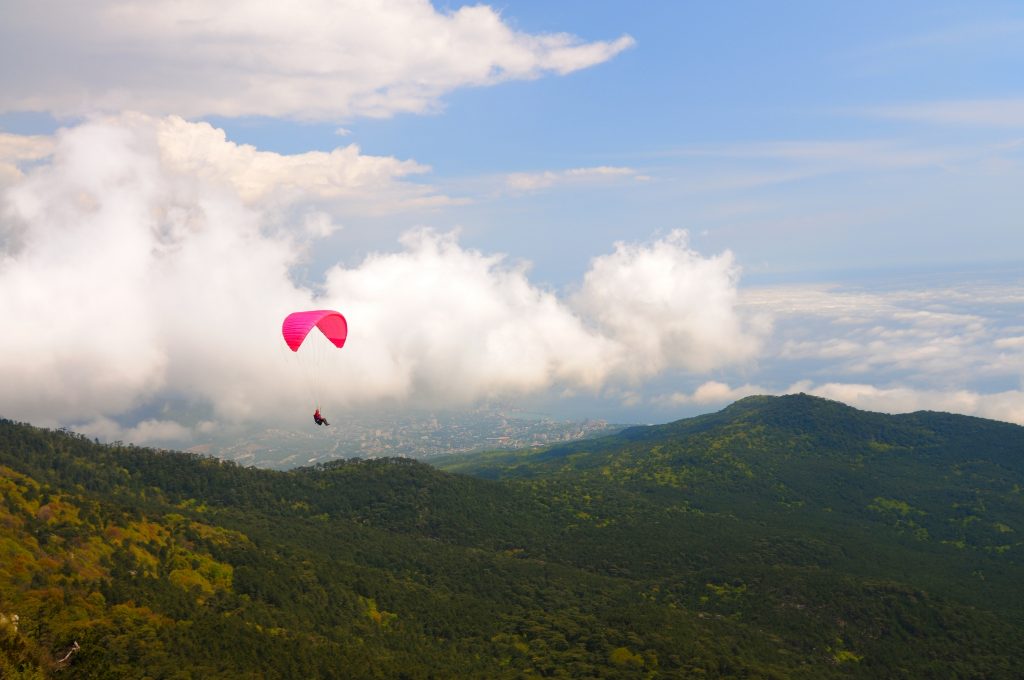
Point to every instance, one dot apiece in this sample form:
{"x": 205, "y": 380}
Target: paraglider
{"x": 296, "y": 328}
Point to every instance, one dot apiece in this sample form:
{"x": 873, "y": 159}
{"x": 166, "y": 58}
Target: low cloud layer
{"x": 951, "y": 344}
{"x": 1007, "y": 405}
{"x": 318, "y": 60}
{"x": 140, "y": 284}
{"x": 937, "y": 334}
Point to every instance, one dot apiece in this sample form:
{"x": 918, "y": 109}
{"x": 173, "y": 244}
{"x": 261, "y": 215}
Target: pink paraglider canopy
{"x": 297, "y": 326}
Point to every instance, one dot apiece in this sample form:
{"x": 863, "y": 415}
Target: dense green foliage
{"x": 780, "y": 537}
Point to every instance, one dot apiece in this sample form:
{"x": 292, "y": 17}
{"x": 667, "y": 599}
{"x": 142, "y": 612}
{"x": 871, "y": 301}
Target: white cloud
{"x": 149, "y": 432}
{"x": 712, "y": 392}
{"x": 318, "y": 224}
{"x": 140, "y": 277}
{"x": 143, "y": 279}
{"x": 319, "y": 59}
{"x": 535, "y": 181}
{"x": 372, "y": 182}
{"x": 443, "y": 323}
{"x": 1006, "y": 406}
{"x": 131, "y": 280}
{"x": 943, "y": 344}
{"x": 345, "y": 177}
{"x": 937, "y": 335}
{"x": 18, "y": 149}
{"x": 671, "y": 307}
{"x": 1016, "y": 342}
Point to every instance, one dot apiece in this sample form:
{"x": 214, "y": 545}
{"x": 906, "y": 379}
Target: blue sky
{"x": 637, "y": 211}
{"x": 812, "y": 112}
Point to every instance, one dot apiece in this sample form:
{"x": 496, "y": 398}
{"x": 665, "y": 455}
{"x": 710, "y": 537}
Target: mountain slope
{"x": 941, "y": 477}
{"x": 932, "y": 496}
{"x": 664, "y": 552}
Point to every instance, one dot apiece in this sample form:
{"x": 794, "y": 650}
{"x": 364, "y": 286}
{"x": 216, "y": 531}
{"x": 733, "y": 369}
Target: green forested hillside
{"x": 781, "y": 537}
{"x": 934, "y": 486}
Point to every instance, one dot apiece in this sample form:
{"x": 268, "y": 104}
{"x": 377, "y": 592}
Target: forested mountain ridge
{"x": 807, "y": 424}
{"x": 942, "y": 477}
{"x": 942, "y": 486}
{"x": 780, "y": 537}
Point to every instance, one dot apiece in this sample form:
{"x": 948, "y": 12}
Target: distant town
{"x": 412, "y": 435}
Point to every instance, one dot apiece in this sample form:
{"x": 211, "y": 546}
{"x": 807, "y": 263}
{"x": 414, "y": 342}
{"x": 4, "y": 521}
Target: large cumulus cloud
{"x": 672, "y": 307}
{"x": 126, "y": 278}
{"x": 133, "y": 278}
